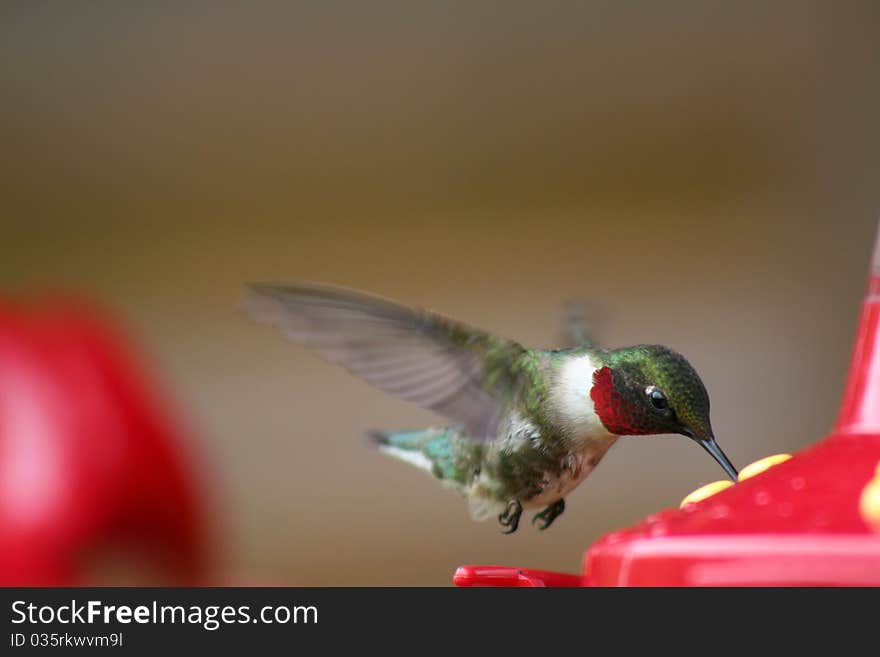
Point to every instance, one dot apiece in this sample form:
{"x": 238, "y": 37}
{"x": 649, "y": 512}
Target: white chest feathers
{"x": 571, "y": 401}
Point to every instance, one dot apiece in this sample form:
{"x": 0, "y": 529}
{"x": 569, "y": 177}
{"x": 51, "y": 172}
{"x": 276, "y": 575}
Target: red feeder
{"x": 813, "y": 520}
{"x": 92, "y": 476}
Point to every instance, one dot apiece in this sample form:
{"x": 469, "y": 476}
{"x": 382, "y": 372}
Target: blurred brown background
{"x": 708, "y": 171}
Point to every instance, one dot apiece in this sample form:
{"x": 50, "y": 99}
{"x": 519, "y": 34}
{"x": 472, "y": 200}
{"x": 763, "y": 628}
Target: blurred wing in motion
{"x": 465, "y": 375}
{"x": 583, "y": 320}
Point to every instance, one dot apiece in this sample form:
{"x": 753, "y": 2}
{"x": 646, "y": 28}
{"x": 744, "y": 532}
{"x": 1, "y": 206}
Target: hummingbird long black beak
{"x": 712, "y": 447}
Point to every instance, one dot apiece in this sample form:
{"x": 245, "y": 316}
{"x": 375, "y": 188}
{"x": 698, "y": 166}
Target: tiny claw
{"x": 510, "y": 517}
{"x": 548, "y": 515}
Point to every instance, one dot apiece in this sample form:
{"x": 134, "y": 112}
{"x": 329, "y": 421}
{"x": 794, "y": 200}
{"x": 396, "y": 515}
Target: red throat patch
{"x": 616, "y": 413}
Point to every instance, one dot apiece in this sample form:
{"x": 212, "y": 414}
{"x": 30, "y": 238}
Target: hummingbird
{"x": 525, "y": 426}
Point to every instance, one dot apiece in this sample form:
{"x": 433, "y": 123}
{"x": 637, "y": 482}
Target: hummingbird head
{"x": 651, "y": 389}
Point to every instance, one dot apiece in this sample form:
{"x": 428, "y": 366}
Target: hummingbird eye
{"x": 657, "y": 397}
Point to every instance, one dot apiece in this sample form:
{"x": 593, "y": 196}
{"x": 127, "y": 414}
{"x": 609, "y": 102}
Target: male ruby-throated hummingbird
{"x": 527, "y": 425}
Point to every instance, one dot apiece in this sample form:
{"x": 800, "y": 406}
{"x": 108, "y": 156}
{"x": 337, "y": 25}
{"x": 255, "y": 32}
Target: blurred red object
{"x": 806, "y": 521}
{"x": 92, "y": 471}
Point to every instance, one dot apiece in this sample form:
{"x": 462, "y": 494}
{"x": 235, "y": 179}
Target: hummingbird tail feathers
{"x": 441, "y": 451}
{"x": 449, "y": 456}
{"x": 396, "y": 445}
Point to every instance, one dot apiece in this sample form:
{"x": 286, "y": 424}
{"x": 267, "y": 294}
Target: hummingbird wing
{"x": 460, "y": 373}
{"x": 583, "y": 320}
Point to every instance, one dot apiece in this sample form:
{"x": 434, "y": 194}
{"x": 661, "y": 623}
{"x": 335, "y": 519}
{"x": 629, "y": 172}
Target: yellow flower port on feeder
{"x": 750, "y": 471}
{"x": 763, "y": 464}
{"x": 869, "y": 502}
{"x": 706, "y": 491}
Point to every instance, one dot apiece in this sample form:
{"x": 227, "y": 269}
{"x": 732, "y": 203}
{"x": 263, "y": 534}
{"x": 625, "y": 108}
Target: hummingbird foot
{"x": 548, "y": 515}
{"x": 510, "y": 517}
